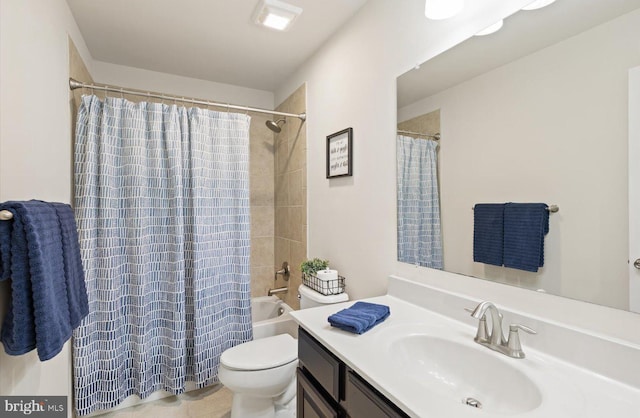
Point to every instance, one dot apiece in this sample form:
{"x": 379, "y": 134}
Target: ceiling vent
{"x": 275, "y": 14}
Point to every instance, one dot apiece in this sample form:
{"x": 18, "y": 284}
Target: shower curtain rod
{"x": 75, "y": 84}
{"x": 434, "y": 136}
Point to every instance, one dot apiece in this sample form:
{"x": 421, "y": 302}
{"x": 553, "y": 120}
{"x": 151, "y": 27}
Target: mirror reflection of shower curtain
{"x": 162, "y": 205}
{"x": 419, "y": 234}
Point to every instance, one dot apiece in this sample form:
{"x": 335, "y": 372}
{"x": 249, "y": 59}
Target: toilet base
{"x": 244, "y": 406}
{"x": 286, "y": 411}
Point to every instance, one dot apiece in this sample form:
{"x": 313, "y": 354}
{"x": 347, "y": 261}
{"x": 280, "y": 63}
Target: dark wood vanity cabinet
{"x": 327, "y": 388}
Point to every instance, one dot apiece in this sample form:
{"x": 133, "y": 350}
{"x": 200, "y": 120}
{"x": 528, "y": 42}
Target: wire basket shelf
{"x": 326, "y": 287}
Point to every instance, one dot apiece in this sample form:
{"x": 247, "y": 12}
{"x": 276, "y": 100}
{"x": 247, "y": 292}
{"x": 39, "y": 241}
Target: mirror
{"x": 536, "y": 112}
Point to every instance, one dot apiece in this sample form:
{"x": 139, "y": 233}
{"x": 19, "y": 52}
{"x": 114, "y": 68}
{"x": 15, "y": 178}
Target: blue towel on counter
{"x": 488, "y": 236}
{"x": 41, "y": 256}
{"x": 525, "y": 225}
{"x": 360, "y": 317}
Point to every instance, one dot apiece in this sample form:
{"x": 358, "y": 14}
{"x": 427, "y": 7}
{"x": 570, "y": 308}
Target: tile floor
{"x": 210, "y": 402}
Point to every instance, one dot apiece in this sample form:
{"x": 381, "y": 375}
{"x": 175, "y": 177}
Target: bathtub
{"x": 270, "y": 316}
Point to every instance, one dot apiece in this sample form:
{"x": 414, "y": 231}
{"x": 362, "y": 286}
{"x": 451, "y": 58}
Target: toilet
{"x": 262, "y": 373}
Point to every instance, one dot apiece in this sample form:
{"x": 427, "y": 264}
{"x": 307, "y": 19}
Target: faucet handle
{"x": 516, "y": 327}
{"x": 513, "y": 343}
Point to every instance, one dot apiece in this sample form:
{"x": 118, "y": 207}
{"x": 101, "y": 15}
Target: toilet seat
{"x": 262, "y": 354}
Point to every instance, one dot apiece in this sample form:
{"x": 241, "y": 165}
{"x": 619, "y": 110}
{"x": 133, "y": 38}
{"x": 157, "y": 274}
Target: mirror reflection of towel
{"x": 525, "y": 225}
{"x": 488, "y": 238}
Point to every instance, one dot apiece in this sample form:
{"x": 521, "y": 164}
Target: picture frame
{"x": 340, "y": 154}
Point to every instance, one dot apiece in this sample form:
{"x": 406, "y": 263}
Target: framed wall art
{"x": 340, "y": 154}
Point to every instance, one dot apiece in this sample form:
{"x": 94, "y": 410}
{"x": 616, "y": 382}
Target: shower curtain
{"x": 162, "y": 206}
{"x": 419, "y": 237}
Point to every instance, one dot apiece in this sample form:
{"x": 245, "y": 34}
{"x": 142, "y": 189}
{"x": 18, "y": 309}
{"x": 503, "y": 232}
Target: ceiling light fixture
{"x": 442, "y": 9}
{"x": 538, "y": 4}
{"x": 491, "y": 29}
{"x": 275, "y": 14}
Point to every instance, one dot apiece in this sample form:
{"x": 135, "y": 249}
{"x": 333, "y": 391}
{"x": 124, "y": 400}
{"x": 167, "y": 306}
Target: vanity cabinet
{"x": 328, "y": 388}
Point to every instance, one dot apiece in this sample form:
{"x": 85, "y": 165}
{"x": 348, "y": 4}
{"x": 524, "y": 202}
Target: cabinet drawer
{"x": 325, "y": 368}
{"x": 362, "y": 400}
{"x": 310, "y": 402}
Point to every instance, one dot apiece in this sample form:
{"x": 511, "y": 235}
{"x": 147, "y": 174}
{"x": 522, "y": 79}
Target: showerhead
{"x": 274, "y": 126}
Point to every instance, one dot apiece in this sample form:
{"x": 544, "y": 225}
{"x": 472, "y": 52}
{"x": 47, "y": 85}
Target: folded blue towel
{"x": 41, "y": 256}
{"x": 360, "y": 317}
{"x": 525, "y": 225}
{"x": 488, "y": 233}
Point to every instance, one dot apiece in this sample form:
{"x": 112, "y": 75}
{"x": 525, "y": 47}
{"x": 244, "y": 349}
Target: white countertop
{"x": 567, "y": 391}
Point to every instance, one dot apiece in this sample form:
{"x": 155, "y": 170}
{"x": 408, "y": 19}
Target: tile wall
{"x": 291, "y": 194}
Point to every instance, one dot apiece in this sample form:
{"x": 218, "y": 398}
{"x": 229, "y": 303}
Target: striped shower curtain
{"x": 162, "y": 206}
{"x": 419, "y": 236}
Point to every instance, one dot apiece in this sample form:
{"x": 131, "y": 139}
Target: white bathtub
{"x": 270, "y": 316}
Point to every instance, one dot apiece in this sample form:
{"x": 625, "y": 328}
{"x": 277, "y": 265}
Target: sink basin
{"x": 465, "y": 374}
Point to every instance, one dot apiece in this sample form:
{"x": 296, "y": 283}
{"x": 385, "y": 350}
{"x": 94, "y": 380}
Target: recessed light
{"x": 538, "y": 4}
{"x": 275, "y": 14}
{"x": 442, "y": 9}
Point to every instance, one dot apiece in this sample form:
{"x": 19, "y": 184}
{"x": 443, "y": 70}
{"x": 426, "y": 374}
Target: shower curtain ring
{"x": 122, "y": 93}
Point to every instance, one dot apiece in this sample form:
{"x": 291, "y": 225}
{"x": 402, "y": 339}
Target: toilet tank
{"x": 309, "y": 298}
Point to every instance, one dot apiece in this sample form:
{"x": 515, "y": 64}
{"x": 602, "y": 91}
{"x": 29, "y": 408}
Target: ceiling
{"x": 523, "y": 33}
{"x": 207, "y": 39}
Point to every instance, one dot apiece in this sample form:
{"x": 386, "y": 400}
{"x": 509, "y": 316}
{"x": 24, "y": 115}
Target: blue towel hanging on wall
{"x": 488, "y": 219}
{"x": 39, "y": 252}
{"x": 525, "y": 225}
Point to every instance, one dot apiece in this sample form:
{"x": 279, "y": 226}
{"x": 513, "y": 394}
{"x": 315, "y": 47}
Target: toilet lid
{"x": 265, "y": 353}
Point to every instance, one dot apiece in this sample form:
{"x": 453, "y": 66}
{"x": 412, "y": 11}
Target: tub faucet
{"x": 495, "y": 340}
{"x": 272, "y": 292}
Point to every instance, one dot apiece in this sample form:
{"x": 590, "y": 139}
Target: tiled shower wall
{"x": 261, "y": 168}
{"x": 291, "y": 195}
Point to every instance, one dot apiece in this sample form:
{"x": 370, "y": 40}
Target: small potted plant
{"x": 311, "y": 267}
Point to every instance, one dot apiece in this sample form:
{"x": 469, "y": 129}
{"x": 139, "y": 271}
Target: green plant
{"x": 313, "y": 266}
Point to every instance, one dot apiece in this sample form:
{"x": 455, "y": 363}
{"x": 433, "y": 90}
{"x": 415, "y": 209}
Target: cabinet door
{"x": 310, "y": 402}
{"x": 325, "y": 368}
{"x": 361, "y": 400}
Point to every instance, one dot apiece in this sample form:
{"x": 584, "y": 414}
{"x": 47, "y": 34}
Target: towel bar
{"x": 5, "y": 215}
{"x": 551, "y": 209}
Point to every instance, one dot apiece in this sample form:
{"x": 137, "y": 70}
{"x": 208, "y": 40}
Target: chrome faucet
{"x": 495, "y": 340}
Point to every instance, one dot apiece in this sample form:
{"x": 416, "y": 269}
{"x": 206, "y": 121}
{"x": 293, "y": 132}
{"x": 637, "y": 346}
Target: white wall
{"x": 123, "y": 76}
{"x": 352, "y": 221}
{"x": 634, "y": 188}
{"x": 565, "y": 144}
{"x": 351, "y": 82}
{"x": 35, "y": 146}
